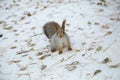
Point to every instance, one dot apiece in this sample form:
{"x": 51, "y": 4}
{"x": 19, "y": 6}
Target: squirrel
{"x": 58, "y": 37}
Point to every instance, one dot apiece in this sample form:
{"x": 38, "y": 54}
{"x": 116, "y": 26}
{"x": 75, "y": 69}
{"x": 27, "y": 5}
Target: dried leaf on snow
{"x": 106, "y": 60}
{"x": 97, "y": 72}
{"x": 114, "y": 66}
{"x": 99, "y": 48}
{"x": 108, "y": 33}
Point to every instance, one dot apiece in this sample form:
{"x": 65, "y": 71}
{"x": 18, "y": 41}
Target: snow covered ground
{"x": 94, "y": 30}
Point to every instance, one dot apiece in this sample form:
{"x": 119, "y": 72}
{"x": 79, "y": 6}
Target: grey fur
{"x": 49, "y": 29}
{"x": 57, "y": 42}
{"x": 58, "y": 37}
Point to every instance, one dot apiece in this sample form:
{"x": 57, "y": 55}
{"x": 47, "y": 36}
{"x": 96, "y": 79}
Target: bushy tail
{"x": 49, "y": 29}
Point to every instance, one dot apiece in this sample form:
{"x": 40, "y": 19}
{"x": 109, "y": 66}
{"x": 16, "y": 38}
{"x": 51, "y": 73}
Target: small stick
{"x": 35, "y": 35}
{"x": 22, "y": 52}
{"x": 109, "y": 46}
{"x": 27, "y": 74}
{"x": 62, "y": 60}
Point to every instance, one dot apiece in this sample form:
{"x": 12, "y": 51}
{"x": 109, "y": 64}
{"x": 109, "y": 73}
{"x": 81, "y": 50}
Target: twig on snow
{"x": 109, "y": 46}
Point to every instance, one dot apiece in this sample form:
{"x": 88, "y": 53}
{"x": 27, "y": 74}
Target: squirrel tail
{"x": 49, "y": 29}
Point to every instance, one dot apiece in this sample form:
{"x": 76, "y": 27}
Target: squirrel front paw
{"x": 53, "y": 50}
{"x": 69, "y": 49}
{"x": 60, "y": 52}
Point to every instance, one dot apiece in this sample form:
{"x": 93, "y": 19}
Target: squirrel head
{"x": 60, "y": 30}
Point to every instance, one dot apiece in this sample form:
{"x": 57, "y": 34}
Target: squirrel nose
{"x": 60, "y": 36}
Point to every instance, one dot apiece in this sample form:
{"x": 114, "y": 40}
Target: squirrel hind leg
{"x": 53, "y": 49}
{"x": 69, "y": 47}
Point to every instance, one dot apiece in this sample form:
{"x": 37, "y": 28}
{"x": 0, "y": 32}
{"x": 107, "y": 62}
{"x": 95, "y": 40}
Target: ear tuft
{"x": 63, "y": 25}
{"x": 55, "y": 25}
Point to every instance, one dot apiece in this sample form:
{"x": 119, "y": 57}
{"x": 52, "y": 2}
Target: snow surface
{"x": 92, "y": 25}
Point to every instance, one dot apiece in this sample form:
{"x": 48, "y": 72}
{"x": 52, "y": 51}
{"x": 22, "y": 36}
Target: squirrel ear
{"x": 63, "y": 24}
{"x": 55, "y": 25}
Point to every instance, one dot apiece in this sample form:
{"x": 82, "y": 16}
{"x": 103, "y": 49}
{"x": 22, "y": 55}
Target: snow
{"x": 93, "y": 28}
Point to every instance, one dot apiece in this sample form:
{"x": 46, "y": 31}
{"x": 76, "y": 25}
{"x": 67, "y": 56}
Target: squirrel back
{"x": 49, "y": 29}
{"x": 58, "y": 37}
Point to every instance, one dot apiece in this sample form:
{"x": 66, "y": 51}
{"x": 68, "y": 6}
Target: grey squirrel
{"x": 58, "y": 37}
